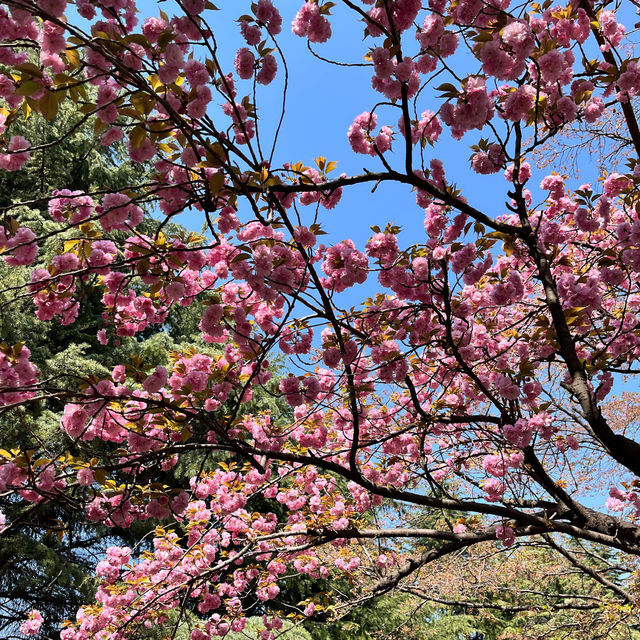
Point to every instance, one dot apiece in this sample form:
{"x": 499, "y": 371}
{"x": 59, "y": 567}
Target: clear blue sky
{"x": 322, "y": 103}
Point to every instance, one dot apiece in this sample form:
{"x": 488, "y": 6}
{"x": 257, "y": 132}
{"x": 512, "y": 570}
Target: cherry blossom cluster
{"x": 18, "y": 375}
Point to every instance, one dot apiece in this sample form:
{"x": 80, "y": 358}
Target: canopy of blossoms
{"x": 473, "y": 382}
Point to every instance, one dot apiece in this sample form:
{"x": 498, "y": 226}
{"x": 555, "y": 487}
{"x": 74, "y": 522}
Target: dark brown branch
{"x": 470, "y": 604}
{"x": 598, "y": 577}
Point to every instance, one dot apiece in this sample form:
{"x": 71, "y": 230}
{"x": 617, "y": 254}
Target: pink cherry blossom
{"x": 32, "y": 624}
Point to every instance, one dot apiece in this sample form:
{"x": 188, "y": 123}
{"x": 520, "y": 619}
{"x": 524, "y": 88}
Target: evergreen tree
{"x": 49, "y": 556}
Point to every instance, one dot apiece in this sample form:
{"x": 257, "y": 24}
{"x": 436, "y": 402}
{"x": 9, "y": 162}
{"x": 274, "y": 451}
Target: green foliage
{"x": 72, "y": 158}
{"x": 392, "y": 616}
{"x": 47, "y": 568}
{"x": 254, "y": 624}
{"x": 48, "y": 557}
{"x": 43, "y": 566}
{"x": 41, "y": 570}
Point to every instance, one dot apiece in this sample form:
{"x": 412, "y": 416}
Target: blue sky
{"x": 322, "y": 101}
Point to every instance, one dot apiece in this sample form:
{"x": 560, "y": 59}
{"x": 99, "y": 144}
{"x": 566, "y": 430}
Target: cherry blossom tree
{"x": 471, "y": 384}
